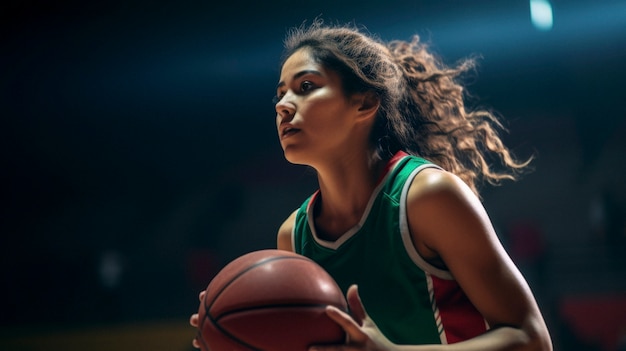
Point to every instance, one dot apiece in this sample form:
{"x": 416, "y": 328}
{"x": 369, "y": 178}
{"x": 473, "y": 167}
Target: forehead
{"x": 298, "y": 61}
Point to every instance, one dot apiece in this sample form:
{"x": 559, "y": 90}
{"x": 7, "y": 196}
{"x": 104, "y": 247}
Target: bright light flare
{"x": 541, "y": 14}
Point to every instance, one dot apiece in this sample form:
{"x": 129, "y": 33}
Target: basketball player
{"x": 399, "y": 158}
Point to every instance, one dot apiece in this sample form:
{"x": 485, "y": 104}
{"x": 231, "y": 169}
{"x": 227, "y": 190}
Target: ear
{"x": 367, "y": 104}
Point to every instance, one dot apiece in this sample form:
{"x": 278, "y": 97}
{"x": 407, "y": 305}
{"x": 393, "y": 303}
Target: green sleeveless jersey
{"x": 411, "y": 301}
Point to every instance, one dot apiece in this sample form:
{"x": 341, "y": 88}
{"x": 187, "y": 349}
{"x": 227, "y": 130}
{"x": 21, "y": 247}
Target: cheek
{"x": 335, "y": 118}
{"x": 328, "y": 113}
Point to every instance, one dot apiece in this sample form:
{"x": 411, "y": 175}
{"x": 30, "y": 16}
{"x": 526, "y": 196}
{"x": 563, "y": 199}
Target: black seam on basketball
{"x": 214, "y": 321}
{"x": 224, "y": 332}
{"x": 259, "y": 263}
{"x": 232, "y": 337}
{"x": 199, "y": 335}
{"x": 278, "y": 306}
{"x": 201, "y": 339}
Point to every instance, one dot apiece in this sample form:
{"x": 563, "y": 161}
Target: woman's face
{"x": 313, "y": 116}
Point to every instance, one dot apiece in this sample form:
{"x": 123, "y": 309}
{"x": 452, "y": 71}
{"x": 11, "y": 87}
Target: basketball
{"x": 270, "y": 300}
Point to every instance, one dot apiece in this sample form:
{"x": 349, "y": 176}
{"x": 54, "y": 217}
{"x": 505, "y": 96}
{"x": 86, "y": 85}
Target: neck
{"x": 346, "y": 187}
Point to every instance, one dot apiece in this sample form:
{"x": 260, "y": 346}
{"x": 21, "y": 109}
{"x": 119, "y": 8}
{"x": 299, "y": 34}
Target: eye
{"x": 306, "y": 86}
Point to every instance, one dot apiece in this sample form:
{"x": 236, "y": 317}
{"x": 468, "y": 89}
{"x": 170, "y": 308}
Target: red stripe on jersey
{"x": 460, "y": 319}
{"x": 313, "y": 198}
{"x": 391, "y": 163}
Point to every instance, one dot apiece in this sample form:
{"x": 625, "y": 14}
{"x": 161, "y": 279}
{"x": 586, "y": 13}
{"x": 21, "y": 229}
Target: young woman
{"x": 397, "y": 214}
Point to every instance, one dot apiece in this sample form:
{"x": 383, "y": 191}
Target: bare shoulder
{"x": 438, "y": 190}
{"x": 442, "y": 210}
{"x": 283, "y": 240}
{"x": 431, "y": 181}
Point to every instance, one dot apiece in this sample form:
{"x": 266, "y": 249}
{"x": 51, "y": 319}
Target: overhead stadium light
{"x": 541, "y": 14}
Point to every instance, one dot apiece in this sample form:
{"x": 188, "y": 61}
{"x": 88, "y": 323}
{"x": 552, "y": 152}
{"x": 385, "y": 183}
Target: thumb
{"x": 356, "y": 306}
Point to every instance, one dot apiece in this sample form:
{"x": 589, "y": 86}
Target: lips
{"x": 289, "y": 131}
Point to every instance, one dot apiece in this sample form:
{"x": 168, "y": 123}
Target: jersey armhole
{"x": 406, "y": 234}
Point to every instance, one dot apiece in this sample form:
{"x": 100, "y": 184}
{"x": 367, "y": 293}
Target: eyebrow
{"x": 298, "y": 75}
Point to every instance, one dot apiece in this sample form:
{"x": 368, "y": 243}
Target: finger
{"x": 194, "y": 320}
{"x": 356, "y": 306}
{"x": 349, "y": 325}
{"x": 195, "y": 343}
{"x": 201, "y": 296}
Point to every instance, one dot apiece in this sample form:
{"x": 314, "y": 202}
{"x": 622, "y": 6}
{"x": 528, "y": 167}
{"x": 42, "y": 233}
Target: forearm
{"x": 499, "y": 339}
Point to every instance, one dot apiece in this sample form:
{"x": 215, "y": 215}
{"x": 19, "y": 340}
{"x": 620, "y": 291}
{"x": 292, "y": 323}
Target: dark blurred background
{"x": 139, "y": 155}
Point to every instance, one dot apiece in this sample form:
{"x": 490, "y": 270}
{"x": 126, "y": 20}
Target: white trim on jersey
{"x": 334, "y": 245}
{"x": 406, "y": 234}
{"x": 435, "y": 307}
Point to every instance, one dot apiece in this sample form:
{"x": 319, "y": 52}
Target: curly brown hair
{"x": 422, "y": 102}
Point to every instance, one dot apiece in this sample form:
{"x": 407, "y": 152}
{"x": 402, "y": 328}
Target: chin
{"x": 293, "y": 157}
{"x": 293, "y": 160}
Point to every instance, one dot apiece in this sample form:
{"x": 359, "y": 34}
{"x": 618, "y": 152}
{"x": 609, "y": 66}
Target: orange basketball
{"x": 270, "y": 300}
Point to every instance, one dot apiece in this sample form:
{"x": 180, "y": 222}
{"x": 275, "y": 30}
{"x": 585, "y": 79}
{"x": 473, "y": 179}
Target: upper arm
{"x": 284, "y": 237}
{"x": 447, "y": 218}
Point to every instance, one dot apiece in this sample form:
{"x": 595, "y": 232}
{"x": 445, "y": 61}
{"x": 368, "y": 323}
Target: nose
{"x": 285, "y": 108}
